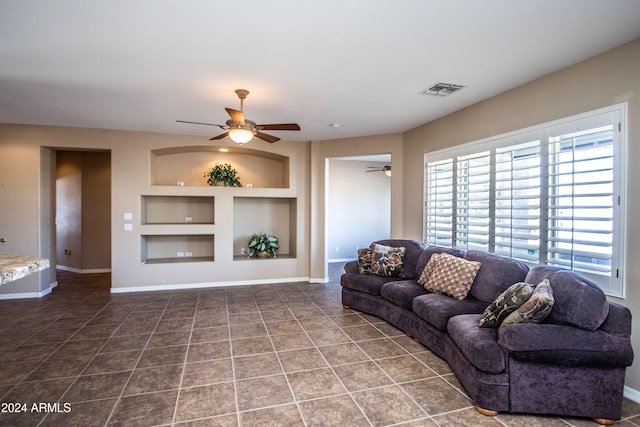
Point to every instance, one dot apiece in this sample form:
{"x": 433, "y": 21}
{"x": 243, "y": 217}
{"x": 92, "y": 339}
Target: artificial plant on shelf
{"x": 263, "y": 245}
{"x": 223, "y": 173}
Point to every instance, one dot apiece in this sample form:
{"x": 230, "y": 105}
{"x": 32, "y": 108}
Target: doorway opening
{"x": 83, "y": 211}
{"x": 358, "y": 204}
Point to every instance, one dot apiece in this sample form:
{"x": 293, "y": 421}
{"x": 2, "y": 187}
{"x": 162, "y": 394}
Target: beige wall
{"x": 607, "y": 79}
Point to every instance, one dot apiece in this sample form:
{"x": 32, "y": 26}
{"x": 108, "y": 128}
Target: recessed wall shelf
{"x": 164, "y": 248}
{"x": 272, "y": 215}
{"x": 187, "y": 165}
{"x": 176, "y": 210}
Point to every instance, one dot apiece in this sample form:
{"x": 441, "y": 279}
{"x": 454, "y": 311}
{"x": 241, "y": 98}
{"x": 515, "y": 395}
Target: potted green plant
{"x": 263, "y": 245}
{"x": 223, "y": 174}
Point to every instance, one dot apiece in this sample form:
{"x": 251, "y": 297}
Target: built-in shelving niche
{"x": 272, "y": 215}
{"x": 177, "y": 210}
{"x": 187, "y": 165}
{"x": 166, "y": 248}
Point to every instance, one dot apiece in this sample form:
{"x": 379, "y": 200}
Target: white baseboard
{"x": 632, "y": 394}
{"x": 29, "y": 294}
{"x": 318, "y": 280}
{"x": 182, "y": 286}
{"x": 80, "y": 271}
{"x": 340, "y": 259}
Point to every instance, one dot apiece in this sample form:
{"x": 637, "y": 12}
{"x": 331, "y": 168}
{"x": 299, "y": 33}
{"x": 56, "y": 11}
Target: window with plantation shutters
{"x": 439, "y": 203}
{"x": 473, "y": 188}
{"x": 551, "y": 194}
{"x": 581, "y": 199}
{"x": 517, "y": 212}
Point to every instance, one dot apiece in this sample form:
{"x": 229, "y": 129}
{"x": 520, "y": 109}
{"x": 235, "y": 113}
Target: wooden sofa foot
{"x": 346, "y": 307}
{"x": 604, "y": 421}
{"x": 487, "y": 412}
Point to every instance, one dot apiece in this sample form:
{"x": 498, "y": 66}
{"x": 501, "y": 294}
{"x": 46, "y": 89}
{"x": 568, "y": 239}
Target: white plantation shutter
{"x": 517, "y": 201}
{"x": 439, "y": 203}
{"x": 581, "y": 200}
{"x": 473, "y": 189}
{"x": 550, "y": 194}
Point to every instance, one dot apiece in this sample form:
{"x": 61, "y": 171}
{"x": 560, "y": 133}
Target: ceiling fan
{"x": 243, "y": 130}
{"x": 386, "y": 169}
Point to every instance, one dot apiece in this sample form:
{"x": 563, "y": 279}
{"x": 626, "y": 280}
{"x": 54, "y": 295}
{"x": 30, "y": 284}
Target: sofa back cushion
{"x": 578, "y": 301}
{"x": 413, "y": 249}
{"x": 540, "y": 272}
{"x": 496, "y": 274}
{"x": 425, "y": 256}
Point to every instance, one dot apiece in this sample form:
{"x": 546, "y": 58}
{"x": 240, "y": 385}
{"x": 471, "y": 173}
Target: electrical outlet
{"x": 188, "y": 254}
{"x": 188, "y": 219}
{"x": 337, "y": 249}
{"x": 180, "y": 254}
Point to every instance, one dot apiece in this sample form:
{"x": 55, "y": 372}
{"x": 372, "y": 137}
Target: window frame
{"x": 612, "y": 284}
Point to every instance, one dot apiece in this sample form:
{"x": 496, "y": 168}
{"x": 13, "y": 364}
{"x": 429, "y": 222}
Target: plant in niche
{"x": 223, "y": 173}
{"x": 263, "y": 245}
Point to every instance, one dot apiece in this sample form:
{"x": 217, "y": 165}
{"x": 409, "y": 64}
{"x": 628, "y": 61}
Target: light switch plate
{"x": 128, "y": 227}
{"x": 128, "y": 216}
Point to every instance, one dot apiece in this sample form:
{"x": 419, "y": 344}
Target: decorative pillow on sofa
{"x": 450, "y": 275}
{"x": 388, "y": 261}
{"x": 537, "y": 307}
{"x": 365, "y": 259}
{"x": 506, "y": 303}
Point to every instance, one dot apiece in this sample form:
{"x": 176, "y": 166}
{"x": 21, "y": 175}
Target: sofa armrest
{"x": 565, "y": 345}
{"x": 351, "y": 267}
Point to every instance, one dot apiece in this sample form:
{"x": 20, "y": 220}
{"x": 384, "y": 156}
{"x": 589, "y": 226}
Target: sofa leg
{"x": 604, "y": 421}
{"x": 487, "y": 412}
{"x": 346, "y": 307}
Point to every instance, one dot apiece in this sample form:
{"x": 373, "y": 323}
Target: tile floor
{"x": 269, "y": 355}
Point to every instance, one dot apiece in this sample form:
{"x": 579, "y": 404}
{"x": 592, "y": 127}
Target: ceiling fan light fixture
{"x": 240, "y": 135}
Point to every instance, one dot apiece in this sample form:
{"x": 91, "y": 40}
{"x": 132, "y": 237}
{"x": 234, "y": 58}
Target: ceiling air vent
{"x": 441, "y": 89}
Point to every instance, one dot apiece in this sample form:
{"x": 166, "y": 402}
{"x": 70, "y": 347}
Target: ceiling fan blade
{"x": 281, "y": 126}
{"x": 199, "y": 123}
{"x": 222, "y": 135}
{"x": 265, "y": 137}
{"x": 236, "y": 116}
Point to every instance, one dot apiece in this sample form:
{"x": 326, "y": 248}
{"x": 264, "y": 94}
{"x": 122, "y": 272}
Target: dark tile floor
{"x": 253, "y": 356}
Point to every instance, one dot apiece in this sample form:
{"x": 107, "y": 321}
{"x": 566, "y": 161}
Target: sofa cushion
{"x": 402, "y": 292}
{"x": 449, "y": 275}
{"x": 496, "y": 274}
{"x": 540, "y": 272}
{"x": 437, "y": 309}
{"x": 479, "y": 345}
{"x": 578, "y": 301}
{"x": 413, "y": 250}
{"x": 426, "y": 254}
{"x": 505, "y": 304}
{"x": 536, "y": 308}
{"x": 365, "y": 259}
{"x": 388, "y": 261}
{"x": 369, "y": 284}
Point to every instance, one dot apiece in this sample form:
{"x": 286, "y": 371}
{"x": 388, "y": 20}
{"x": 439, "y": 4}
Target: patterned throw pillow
{"x": 452, "y": 276}
{"x": 388, "y": 261}
{"x": 506, "y": 303}
{"x": 428, "y": 269}
{"x": 365, "y": 259}
{"x": 537, "y": 307}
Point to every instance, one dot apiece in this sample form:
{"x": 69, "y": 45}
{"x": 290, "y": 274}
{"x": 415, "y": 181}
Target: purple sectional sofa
{"x": 572, "y": 363}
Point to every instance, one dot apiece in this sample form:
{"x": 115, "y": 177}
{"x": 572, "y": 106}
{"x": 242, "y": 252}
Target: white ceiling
{"x": 142, "y": 64}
